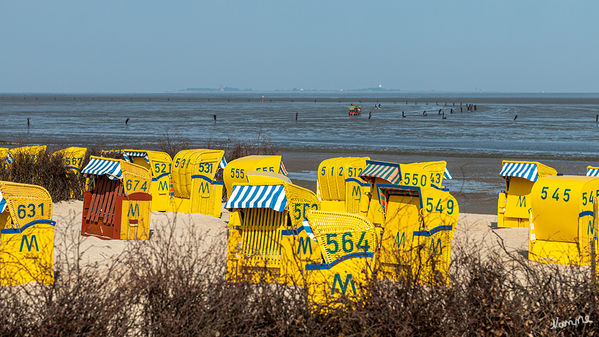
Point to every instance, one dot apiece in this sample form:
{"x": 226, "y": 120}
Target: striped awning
{"x": 2, "y": 203}
{"x": 592, "y": 172}
{"x": 128, "y": 155}
{"x": 283, "y": 170}
{"x": 522, "y": 170}
{"x": 383, "y": 170}
{"x": 268, "y": 196}
{"x": 98, "y": 166}
{"x": 223, "y": 163}
{"x": 387, "y": 190}
{"x": 447, "y": 175}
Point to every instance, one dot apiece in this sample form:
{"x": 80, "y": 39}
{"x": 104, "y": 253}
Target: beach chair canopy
{"x": 527, "y": 170}
{"x": 386, "y": 190}
{"x": 99, "y": 166}
{"x": 262, "y": 196}
{"x": 383, "y": 170}
{"x": 592, "y": 171}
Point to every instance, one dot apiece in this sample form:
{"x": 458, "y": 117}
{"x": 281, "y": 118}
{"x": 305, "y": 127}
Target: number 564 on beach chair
{"x": 26, "y": 234}
{"x": 118, "y": 204}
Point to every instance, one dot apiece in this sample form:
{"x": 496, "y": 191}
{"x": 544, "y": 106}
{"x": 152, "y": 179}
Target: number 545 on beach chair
{"x": 26, "y": 234}
{"x": 118, "y": 205}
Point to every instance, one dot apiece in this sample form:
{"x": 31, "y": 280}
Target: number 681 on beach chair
{"x": 26, "y": 234}
{"x": 118, "y": 204}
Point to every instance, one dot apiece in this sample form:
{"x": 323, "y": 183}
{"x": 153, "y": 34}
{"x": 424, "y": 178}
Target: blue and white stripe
{"x": 447, "y": 175}
{"x": 128, "y": 156}
{"x": 269, "y": 196}
{"x": 308, "y": 229}
{"x": 2, "y": 203}
{"x": 98, "y": 166}
{"x": 9, "y": 158}
{"x": 223, "y": 163}
{"x": 527, "y": 171}
{"x": 593, "y": 172}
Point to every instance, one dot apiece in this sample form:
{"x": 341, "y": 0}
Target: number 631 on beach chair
{"x": 26, "y": 234}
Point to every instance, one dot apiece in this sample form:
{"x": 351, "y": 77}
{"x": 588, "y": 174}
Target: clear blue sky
{"x": 155, "y": 46}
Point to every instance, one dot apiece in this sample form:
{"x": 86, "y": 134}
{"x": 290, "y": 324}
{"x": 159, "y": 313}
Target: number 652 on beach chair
{"x": 26, "y": 234}
{"x": 118, "y": 204}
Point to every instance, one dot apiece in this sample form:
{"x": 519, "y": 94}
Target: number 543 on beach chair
{"x": 118, "y": 205}
{"x": 26, "y": 234}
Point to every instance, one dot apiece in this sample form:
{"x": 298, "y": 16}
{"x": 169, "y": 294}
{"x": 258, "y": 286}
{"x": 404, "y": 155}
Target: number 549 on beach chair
{"x": 26, "y": 234}
{"x": 118, "y": 205}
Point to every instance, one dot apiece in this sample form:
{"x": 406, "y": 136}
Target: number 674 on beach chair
{"x": 118, "y": 204}
{"x": 26, "y": 234}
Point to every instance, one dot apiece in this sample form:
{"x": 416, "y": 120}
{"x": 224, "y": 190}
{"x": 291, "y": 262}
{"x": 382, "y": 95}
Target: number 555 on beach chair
{"x": 118, "y": 205}
{"x": 194, "y": 182}
{"x": 237, "y": 172}
{"x": 26, "y": 234}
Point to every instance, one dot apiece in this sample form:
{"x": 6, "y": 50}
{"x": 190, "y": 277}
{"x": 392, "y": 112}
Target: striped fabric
{"x": 593, "y": 172}
{"x": 383, "y": 170}
{"x": 387, "y": 190}
{"x": 128, "y": 156}
{"x": 282, "y": 169}
{"x": 223, "y": 163}
{"x": 270, "y": 196}
{"x": 2, "y": 203}
{"x": 9, "y": 158}
{"x": 447, "y": 175}
{"x": 104, "y": 167}
{"x": 522, "y": 170}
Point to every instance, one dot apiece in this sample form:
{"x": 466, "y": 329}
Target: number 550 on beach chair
{"x": 26, "y": 234}
{"x": 118, "y": 205}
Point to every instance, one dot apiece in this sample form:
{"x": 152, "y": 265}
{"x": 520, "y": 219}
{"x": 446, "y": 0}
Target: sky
{"x": 133, "y": 46}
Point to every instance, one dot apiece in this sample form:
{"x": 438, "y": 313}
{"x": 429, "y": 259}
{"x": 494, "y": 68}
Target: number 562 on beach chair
{"x": 26, "y": 234}
{"x": 118, "y": 205}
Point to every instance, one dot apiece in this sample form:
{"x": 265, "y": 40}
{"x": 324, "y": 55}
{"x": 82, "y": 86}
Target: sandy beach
{"x": 473, "y": 230}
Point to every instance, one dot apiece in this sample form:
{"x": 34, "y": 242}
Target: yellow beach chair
{"x": 339, "y": 186}
{"x": 3, "y": 156}
{"x": 513, "y": 204}
{"x": 269, "y": 243}
{"x": 73, "y": 158}
{"x": 194, "y": 182}
{"x": 118, "y": 205}
{"x": 28, "y": 151}
{"x": 159, "y": 163}
{"x": 236, "y": 172}
{"x": 562, "y": 219}
{"x": 417, "y": 233}
{"x": 26, "y": 234}
{"x": 425, "y": 174}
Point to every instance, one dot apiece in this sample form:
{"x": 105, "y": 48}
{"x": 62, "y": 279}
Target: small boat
{"x": 354, "y": 110}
